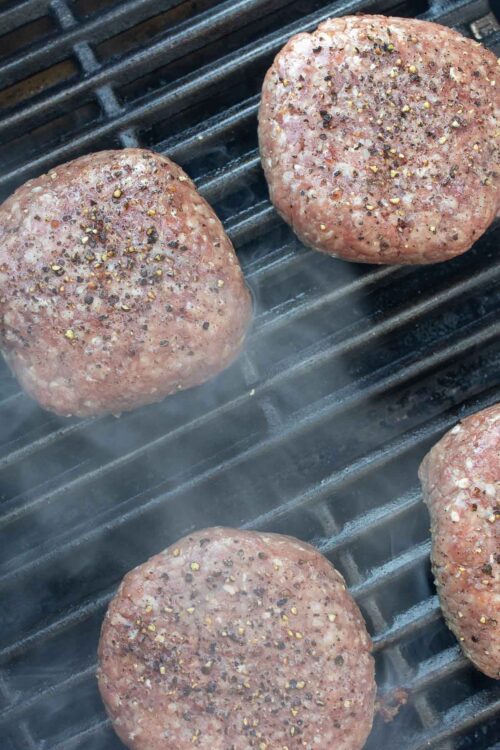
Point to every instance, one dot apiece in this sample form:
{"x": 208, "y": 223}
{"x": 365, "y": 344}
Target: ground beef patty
{"x": 118, "y": 284}
{"x": 461, "y": 483}
{"x": 377, "y": 138}
{"x": 232, "y": 640}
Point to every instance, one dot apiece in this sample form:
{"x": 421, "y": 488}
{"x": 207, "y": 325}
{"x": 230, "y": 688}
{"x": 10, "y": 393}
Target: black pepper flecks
{"x": 397, "y": 117}
{"x": 239, "y": 624}
{"x": 116, "y": 250}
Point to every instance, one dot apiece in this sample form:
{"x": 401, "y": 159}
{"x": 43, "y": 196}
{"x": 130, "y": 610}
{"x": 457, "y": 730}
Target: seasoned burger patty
{"x": 232, "y": 640}
{"x": 377, "y": 138}
{"x": 461, "y": 482}
{"x": 118, "y": 284}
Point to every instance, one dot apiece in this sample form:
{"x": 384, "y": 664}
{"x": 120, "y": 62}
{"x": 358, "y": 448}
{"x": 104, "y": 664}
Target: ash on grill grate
{"x": 350, "y": 374}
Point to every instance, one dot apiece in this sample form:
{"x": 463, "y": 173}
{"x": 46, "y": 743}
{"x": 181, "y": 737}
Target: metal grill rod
{"x": 337, "y": 479}
{"x": 190, "y": 88}
{"x": 88, "y": 63}
{"x": 419, "y": 616}
{"x": 434, "y": 669}
{"x": 443, "y": 664}
{"x": 193, "y": 141}
{"x": 264, "y": 324}
{"x": 57, "y": 626}
{"x": 16, "y": 711}
{"x": 272, "y": 320}
{"x": 462, "y": 717}
{"x": 23, "y": 730}
{"x": 369, "y": 522}
{"x": 21, "y": 13}
{"x": 85, "y": 734}
{"x": 178, "y": 41}
{"x": 250, "y": 223}
{"x": 214, "y": 187}
{"x": 122, "y": 16}
{"x": 333, "y": 405}
{"x": 44, "y": 442}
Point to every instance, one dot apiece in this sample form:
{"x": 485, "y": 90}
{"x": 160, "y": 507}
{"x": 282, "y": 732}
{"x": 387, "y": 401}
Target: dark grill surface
{"x": 351, "y": 373}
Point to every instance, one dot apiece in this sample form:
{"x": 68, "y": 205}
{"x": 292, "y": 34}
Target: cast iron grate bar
{"x": 188, "y": 89}
{"x": 338, "y": 403}
{"x": 338, "y": 480}
{"x": 192, "y": 87}
{"x": 21, "y": 13}
{"x": 469, "y": 715}
{"x": 432, "y": 671}
{"x": 362, "y": 590}
{"x": 176, "y": 43}
{"x": 88, "y": 62}
{"x": 100, "y": 26}
{"x": 22, "y": 729}
{"x": 354, "y": 579}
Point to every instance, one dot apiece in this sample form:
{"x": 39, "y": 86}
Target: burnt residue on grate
{"x": 349, "y": 375}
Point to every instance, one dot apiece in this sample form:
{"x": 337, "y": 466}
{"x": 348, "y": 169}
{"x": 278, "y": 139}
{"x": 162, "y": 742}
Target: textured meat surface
{"x": 232, "y": 640}
{"x": 118, "y": 284}
{"x": 378, "y": 139}
{"x": 461, "y": 482}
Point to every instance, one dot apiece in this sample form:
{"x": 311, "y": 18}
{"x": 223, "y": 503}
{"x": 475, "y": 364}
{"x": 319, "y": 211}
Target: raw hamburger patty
{"x": 118, "y": 284}
{"x": 377, "y": 138}
{"x": 231, "y": 640}
{"x": 461, "y": 482}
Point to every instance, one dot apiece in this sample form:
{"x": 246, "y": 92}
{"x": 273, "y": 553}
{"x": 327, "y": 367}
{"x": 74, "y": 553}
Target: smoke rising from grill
{"x": 297, "y": 437}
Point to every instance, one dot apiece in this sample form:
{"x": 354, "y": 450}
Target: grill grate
{"x": 350, "y": 374}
